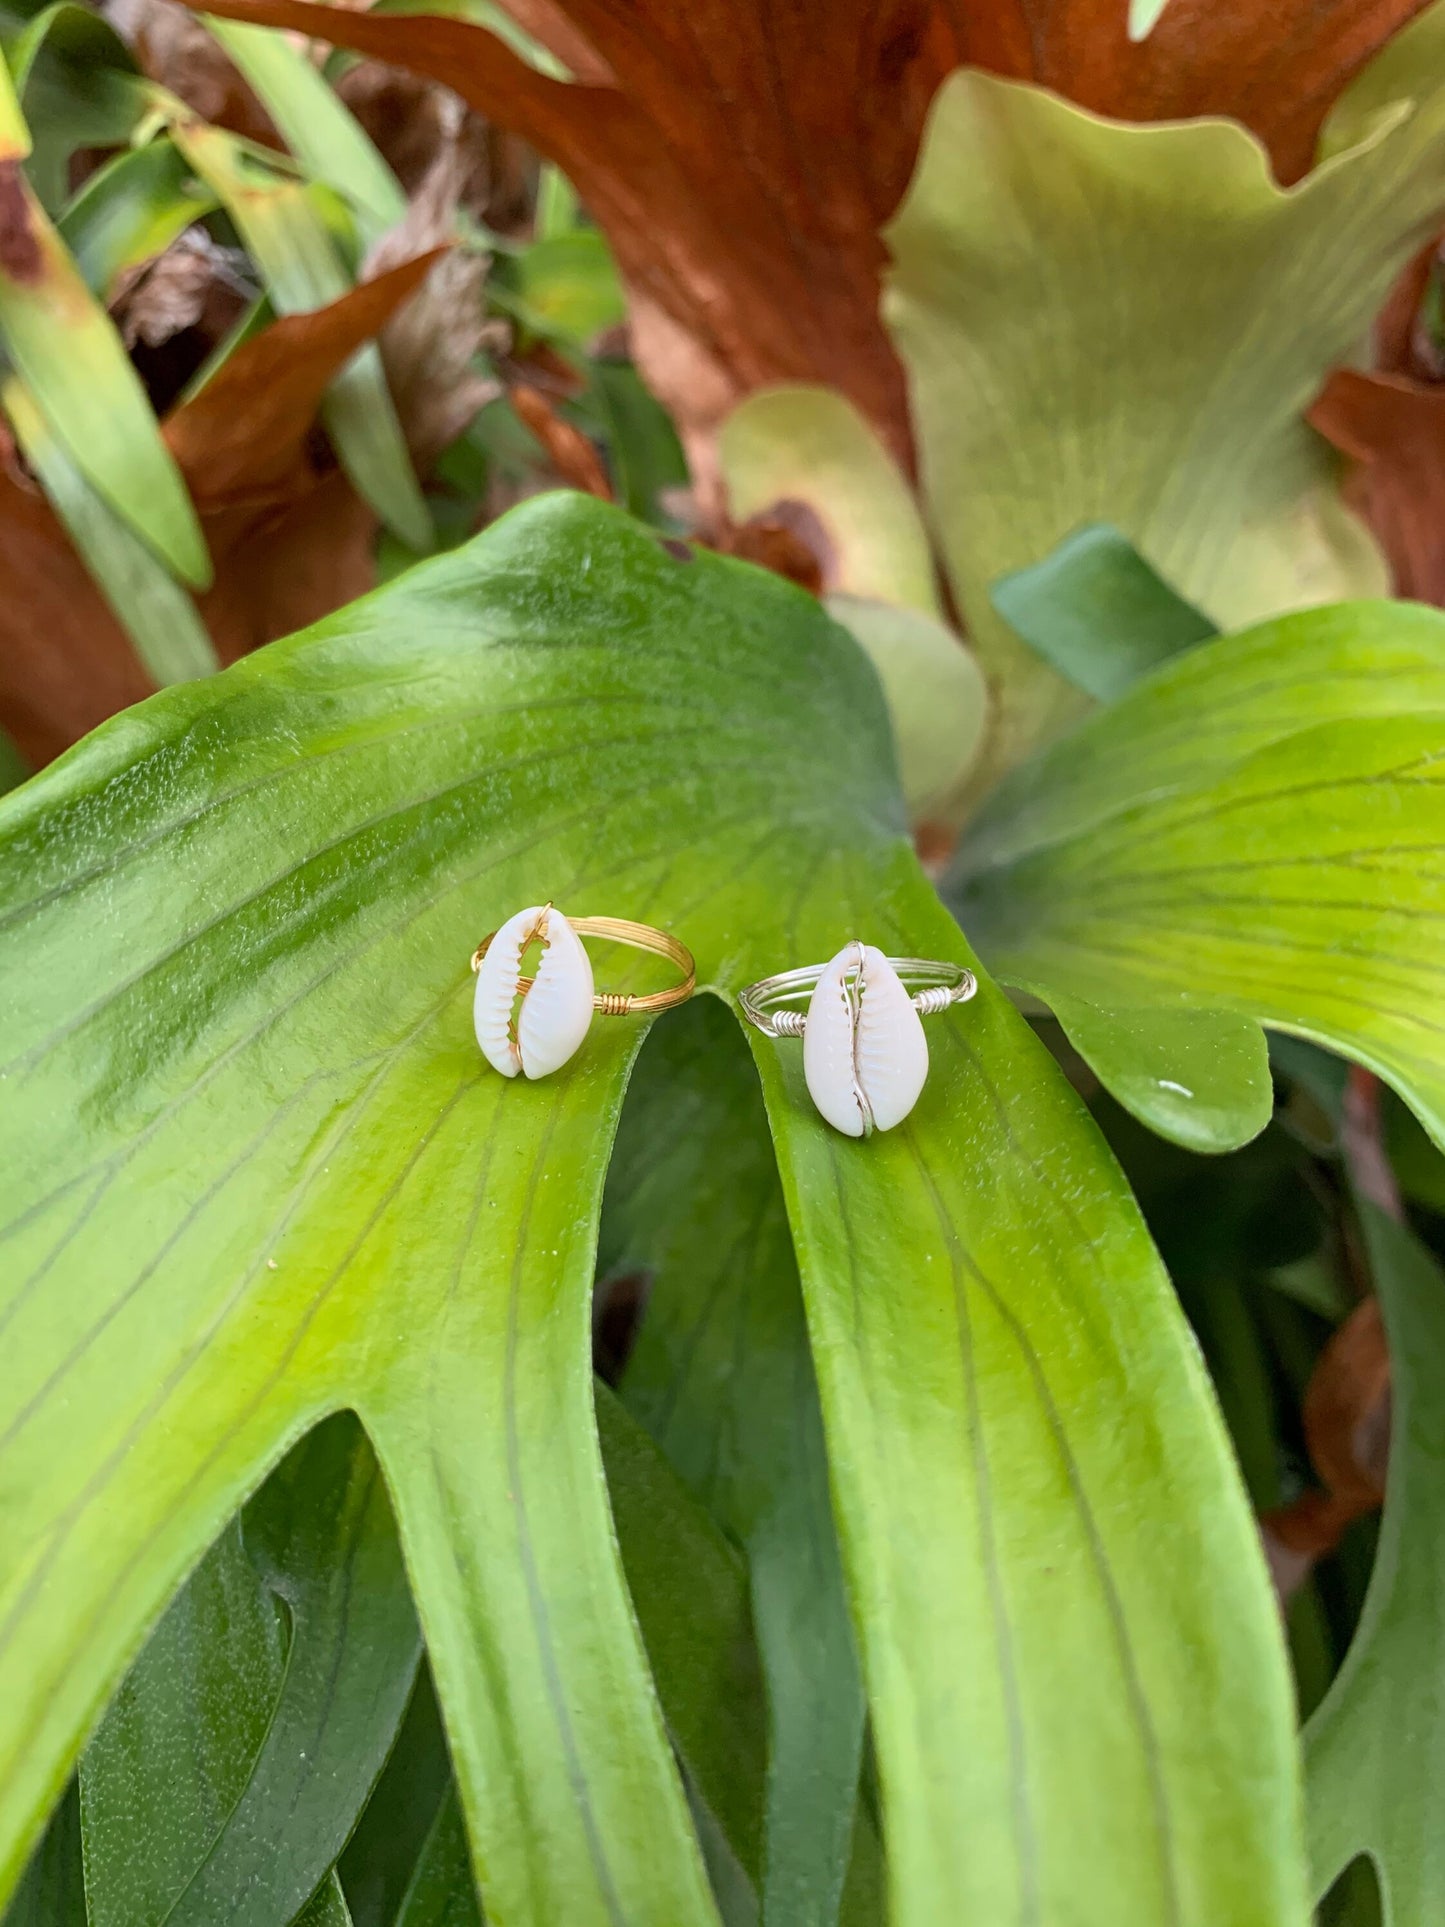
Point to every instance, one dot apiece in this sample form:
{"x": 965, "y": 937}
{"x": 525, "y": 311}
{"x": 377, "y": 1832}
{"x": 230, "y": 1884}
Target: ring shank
{"x": 772, "y": 1004}
{"x": 638, "y": 936}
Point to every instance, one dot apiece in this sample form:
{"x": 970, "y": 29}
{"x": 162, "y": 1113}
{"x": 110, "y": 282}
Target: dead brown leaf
{"x": 1393, "y": 430}
{"x": 573, "y": 456}
{"x": 1347, "y": 1430}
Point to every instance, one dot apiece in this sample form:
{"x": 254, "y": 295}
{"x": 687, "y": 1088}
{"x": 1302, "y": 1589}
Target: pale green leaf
{"x": 1044, "y": 398}
{"x": 15, "y": 137}
{"x": 810, "y": 446}
{"x": 935, "y": 693}
{"x": 257, "y": 1171}
{"x": 153, "y": 609}
{"x": 1095, "y": 609}
{"x": 721, "y": 1377}
{"x": 1252, "y": 831}
{"x": 1144, "y": 17}
{"x": 1373, "y": 1750}
{"x": 315, "y": 123}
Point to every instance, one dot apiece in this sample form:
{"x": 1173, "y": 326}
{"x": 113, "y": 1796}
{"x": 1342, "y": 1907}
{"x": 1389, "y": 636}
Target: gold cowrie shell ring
{"x": 534, "y": 1024}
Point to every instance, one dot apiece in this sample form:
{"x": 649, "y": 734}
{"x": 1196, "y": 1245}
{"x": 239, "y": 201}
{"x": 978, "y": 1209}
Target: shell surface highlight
{"x": 555, "y": 1012}
{"x": 865, "y": 1056}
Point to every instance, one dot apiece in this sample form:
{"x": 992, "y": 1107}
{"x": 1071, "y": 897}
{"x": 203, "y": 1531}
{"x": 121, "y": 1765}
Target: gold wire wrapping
{"x": 639, "y": 936}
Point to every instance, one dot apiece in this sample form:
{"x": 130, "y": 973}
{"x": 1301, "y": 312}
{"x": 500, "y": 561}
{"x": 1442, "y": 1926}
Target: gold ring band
{"x": 639, "y": 936}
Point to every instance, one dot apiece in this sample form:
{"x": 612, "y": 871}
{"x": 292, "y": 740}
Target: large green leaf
{"x": 1373, "y": 1749}
{"x": 1253, "y": 832}
{"x": 1125, "y": 323}
{"x": 722, "y": 1379}
{"x": 258, "y": 1171}
{"x": 318, "y": 1542}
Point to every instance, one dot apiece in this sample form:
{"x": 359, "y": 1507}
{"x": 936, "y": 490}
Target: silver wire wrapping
{"x": 769, "y": 1004}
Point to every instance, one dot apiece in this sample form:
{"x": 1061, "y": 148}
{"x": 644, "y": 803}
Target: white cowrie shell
{"x": 555, "y": 1012}
{"x": 865, "y": 1057}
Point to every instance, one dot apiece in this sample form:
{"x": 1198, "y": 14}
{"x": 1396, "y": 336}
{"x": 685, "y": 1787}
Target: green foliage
{"x": 1372, "y": 1748}
{"x": 282, "y": 1183}
{"x": 290, "y": 229}
{"x": 1241, "y": 834}
{"x": 291, "y": 1654}
{"x": 67, "y": 352}
{"x": 1124, "y": 324}
{"x": 1097, "y": 612}
{"x": 722, "y": 1378}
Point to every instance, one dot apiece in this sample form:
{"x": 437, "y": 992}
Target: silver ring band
{"x": 771, "y": 1004}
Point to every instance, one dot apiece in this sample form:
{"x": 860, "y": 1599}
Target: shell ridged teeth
{"x": 865, "y": 1056}
{"x": 555, "y": 1012}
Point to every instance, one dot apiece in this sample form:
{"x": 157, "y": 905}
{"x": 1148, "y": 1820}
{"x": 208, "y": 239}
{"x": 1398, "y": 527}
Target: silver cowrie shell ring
{"x": 534, "y": 1024}
{"x": 865, "y": 1057}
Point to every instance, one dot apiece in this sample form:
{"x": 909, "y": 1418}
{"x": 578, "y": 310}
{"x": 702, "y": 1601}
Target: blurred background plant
{"x": 274, "y": 326}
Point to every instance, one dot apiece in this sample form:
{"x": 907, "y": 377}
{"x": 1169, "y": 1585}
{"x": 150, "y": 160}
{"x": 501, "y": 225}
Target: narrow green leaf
{"x": 318, "y": 1540}
{"x": 155, "y": 612}
{"x": 557, "y": 205}
{"x": 722, "y": 1378}
{"x": 1096, "y": 610}
{"x": 326, "y": 138}
{"x": 1045, "y": 399}
{"x": 13, "y": 766}
{"x": 642, "y": 446}
{"x": 1373, "y": 1755}
{"x": 1251, "y": 831}
{"x": 52, "y": 1892}
{"x": 327, "y": 1906}
{"x": 287, "y": 235}
{"x": 801, "y": 444}
{"x": 15, "y": 137}
{"x": 381, "y": 1856}
{"x": 175, "y": 1752}
{"x": 257, "y": 1171}
{"x": 80, "y": 88}
{"x": 1144, "y": 17}
{"x": 131, "y": 210}
{"x": 442, "y": 1893}
{"x": 66, "y": 350}
{"x": 690, "y": 1593}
